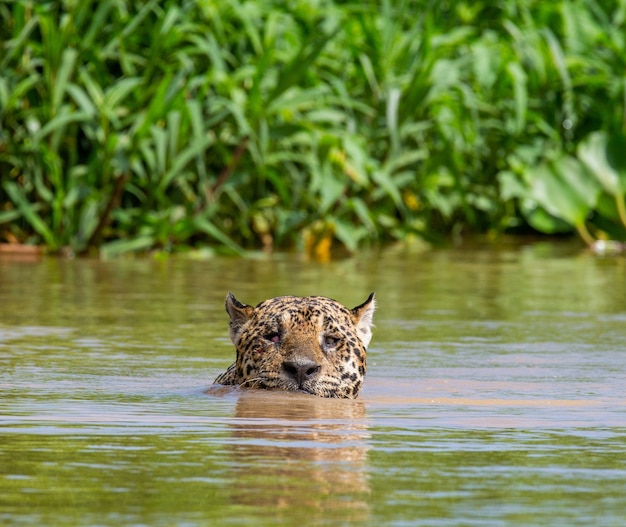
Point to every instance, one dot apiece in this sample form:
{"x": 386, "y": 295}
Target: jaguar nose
{"x": 301, "y": 370}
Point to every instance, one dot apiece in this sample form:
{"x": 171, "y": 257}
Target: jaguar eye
{"x": 330, "y": 341}
{"x": 272, "y": 337}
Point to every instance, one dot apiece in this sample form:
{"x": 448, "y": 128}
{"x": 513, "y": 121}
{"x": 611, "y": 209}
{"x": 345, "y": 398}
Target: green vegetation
{"x": 236, "y": 124}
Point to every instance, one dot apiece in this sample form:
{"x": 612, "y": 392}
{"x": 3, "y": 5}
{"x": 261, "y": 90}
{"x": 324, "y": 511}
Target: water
{"x": 494, "y": 394}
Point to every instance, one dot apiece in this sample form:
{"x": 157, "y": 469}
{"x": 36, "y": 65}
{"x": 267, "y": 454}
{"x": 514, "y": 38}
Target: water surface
{"x": 494, "y": 394}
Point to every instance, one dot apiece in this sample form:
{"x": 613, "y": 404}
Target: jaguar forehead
{"x": 288, "y": 315}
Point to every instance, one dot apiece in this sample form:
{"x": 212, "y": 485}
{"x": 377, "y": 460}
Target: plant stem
{"x": 114, "y": 198}
{"x": 585, "y": 234}
{"x": 621, "y": 209}
{"x": 228, "y": 170}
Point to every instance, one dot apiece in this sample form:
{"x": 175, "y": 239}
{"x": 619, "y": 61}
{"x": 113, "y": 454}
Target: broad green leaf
{"x": 511, "y": 186}
{"x": 542, "y": 221}
{"x": 554, "y": 196}
{"x": 331, "y": 189}
{"x": 608, "y": 217}
{"x": 564, "y": 188}
{"x": 606, "y": 159}
{"x": 574, "y": 174}
{"x": 347, "y": 234}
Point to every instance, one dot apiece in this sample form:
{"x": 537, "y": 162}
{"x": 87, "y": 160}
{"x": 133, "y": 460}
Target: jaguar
{"x": 310, "y": 344}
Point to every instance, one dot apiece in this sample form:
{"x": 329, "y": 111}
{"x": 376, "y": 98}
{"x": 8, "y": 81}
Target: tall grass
{"x": 131, "y": 126}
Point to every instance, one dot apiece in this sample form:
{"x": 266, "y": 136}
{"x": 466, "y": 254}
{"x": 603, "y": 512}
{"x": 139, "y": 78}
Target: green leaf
{"x": 159, "y": 138}
{"x": 68, "y": 60}
{"x": 331, "y": 189}
{"x": 393, "y": 100}
{"x": 520, "y": 92}
{"x": 173, "y": 129}
{"x": 291, "y": 73}
{"x": 204, "y": 225}
{"x": 576, "y": 176}
{"x": 81, "y": 99}
{"x": 28, "y": 211}
{"x": 605, "y": 157}
{"x": 17, "y": 93}
{"x": 88, "y": 221}
{"x": 363, "y": 213}
{"x": 118, "y": 247}
{"x": 347, "y": 234}
{"x": 97, "y": 19}
{"x": 9, "y": 216}
{"x": 541, "y": 220}
{"x": 65, "y": 117}
{"x": 13, "y": 46}
{"x": 120, "y": 90}
{"x": 564, "y": 188}
{"x": 418, "y": 92}
{"x": 384, "y": 180}
{"x": 511, "y": 186}
{"x": 196, "y": 148}
{"x": 405, "y": 160}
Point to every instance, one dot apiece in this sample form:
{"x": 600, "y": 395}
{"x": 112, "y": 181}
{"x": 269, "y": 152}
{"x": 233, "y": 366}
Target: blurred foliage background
{"x": 231, "y": 124}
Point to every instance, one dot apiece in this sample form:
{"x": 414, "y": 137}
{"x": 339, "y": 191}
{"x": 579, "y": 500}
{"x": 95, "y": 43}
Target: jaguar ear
{"x": 363, "y": 316}
{"x": 239, "y": 314}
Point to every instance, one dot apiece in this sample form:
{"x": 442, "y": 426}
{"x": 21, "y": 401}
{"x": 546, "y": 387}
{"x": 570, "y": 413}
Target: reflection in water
{"x": 299, "y": 452}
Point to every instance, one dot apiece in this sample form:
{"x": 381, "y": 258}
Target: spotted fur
{"x": 311, "y": 344}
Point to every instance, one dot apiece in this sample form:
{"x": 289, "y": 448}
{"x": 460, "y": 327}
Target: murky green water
{"x": 495, "y": 395}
